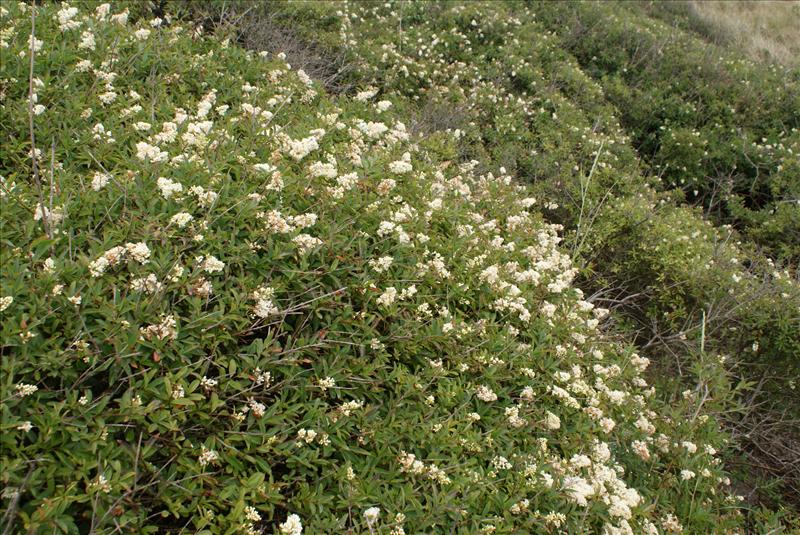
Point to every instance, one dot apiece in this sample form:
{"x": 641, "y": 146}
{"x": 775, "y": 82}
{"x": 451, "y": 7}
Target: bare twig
{"x": 11, "y": 512}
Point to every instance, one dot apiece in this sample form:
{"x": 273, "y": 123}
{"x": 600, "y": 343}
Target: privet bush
{"x": 231, "y": 304}
{"x": 517, "y": 97}
{"x": 533, "y": 108}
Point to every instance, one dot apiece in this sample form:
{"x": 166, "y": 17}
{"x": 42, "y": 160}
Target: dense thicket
{"x": 249, "y": 290}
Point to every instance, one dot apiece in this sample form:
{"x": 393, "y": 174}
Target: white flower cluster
{"x": 297, "y": 149}
{"x": 150, "y": 153}
{"x": 209, "y": 264}
{"x": 100, "y": 180}
{"x": 114, "y": 256}
{"x": 402, "y": 166}
{"x": 264, "y": 307}
{"x": 26, "y": 389}
{"x": 484, "y": 393}
{"x": 164, "y": 330}
{"x": 306, "y": 243}
{"x": 411, "y": 465}
{"x": 168, "y": 187}
{"x": 292, "y": 526}
{"x": 207, "y": 456}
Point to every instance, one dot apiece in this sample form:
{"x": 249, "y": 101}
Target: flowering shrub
{"x": 231, "y": 303}
{"x": 521, "y": 99}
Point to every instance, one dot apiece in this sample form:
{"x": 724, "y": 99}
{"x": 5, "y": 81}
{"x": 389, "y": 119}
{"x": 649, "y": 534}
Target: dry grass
{"x": 764, "y": 29}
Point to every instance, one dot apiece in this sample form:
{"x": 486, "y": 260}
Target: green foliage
{"x": 721, "y": 128}
{"x": 228, "y": 299}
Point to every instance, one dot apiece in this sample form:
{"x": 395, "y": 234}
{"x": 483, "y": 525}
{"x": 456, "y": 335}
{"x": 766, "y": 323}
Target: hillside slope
{"x": 633, "y": 149}
{"x": 233, "y": 303}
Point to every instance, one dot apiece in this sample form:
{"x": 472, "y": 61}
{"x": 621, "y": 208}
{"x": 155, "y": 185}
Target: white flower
{"x": 151, "y": 153}
{"x": 671, "y": 524}
{"x": 381, "y": 264}
{"x": 49, "y": 266}
{"x": 207, "y": 456}
{"x": 399, "y": 167}
{"x": 204, "y": 198}
{"x": 348, "y": 181}
{"x": 34, "y": 43}
{"x": 292, "y": 526}
{"x": 514, "y": 419}
{"x": 103, "y": 10}
{"x": 486, "y": 394}
{"x": 304, "y": 78}
{"x": 147, "y": 284}
{"x": 208, "y": 383}
{"x": 168, "y": 187}
{"x": 371, "y": 515}
{"x": 303, "y": 220}
{"x": 256, "y": 408}
{"x": 83, "y": 65}
{"x": 373, "y": 130}
{"x": 501, "y": 463}
{"x": 385, "y": 186}
{"x": 139, "y": 251}
{"x": 326, "y": 383}
{"x": 691, "y": 447}
{"x": 306, "y": 242}
{"x": 644, "y": 425}
{"x": 87, "y": 41}
{"x": 24, "y": 389}
{"x": 99, "y": 181}
{"x": 363, "y": 96}
{"x": 388, "y": 296}
{"x": 306, "y": 435}
{"x": 299, "y": 149}
{"x": 520, "y": 507}
{"x": 210, "y": 264}
{"x": 252, "y": 514}
{"x": 164, "y": 330}
{"x": 607, "y": 424}
{"x": 25, "y": 426}
{"x": 551, "y": 421}
{"x": 181, "y": 219}
{"x": 102, "y": 484}
{"x": 99, "y": 266}
{"x": 5, "y": 302}
{"x": 120, "y": 18}
{"x": 640, "y": 448}
{"x": 578, "y": 489}
{"x": 323, "y": 169}
{"x": 108, "y": 97}
{"x": 65, "y": 16}
{"x": 53, "y": 217}
{"x": 264, "y": 167}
